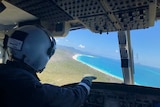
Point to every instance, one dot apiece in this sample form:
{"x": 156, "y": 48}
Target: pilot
{"x": 31, "y": 47}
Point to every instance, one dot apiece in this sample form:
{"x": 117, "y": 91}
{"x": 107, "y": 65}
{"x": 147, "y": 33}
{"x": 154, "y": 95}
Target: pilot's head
{"x": 32, "y": 46}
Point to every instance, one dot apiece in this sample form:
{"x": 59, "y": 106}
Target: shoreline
{"x": 75, "y": 57}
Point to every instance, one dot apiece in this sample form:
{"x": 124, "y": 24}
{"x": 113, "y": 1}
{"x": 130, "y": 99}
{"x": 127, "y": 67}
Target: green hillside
{"x": 63, "y": 69}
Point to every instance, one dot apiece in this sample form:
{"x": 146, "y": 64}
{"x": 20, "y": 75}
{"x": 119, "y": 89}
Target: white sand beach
{"x": 93, "y": 67}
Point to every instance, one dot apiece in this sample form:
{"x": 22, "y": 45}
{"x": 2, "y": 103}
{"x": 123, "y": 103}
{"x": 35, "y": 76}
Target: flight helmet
{"x": 32, "y": 45}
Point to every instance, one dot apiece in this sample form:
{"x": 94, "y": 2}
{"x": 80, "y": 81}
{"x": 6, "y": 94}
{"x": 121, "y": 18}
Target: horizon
{"x": 106, "y": 45}
{"x": 83, "y": 53}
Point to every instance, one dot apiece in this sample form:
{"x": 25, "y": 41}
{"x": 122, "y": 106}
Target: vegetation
{"x": 63, "y": 69}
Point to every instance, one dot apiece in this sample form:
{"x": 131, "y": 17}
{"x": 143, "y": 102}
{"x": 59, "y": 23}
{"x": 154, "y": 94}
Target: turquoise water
{"x": 144, "y": 75}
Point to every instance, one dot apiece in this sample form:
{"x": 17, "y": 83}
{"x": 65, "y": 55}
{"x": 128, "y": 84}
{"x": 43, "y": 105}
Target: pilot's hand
{"x": 88, "y": 80}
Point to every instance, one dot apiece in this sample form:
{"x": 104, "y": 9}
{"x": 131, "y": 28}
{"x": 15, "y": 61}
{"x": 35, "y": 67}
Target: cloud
{"x": 81, "y": 46}
{"x": 117, "y": 51}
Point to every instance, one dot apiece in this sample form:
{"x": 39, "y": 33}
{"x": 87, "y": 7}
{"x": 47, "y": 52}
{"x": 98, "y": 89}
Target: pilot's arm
{"x": 55, "y": 96}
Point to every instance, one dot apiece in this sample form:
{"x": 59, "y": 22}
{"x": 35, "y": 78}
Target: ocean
{"x": 143, "y": 75}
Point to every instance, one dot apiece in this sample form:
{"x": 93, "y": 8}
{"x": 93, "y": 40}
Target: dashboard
{"x": 122, "y": 95}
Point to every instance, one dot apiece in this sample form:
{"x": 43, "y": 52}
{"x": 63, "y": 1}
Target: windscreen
{"x": 83, "y": 52}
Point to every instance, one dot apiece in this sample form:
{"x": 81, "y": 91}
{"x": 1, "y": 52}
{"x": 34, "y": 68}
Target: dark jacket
{"x": 21, "y": 88}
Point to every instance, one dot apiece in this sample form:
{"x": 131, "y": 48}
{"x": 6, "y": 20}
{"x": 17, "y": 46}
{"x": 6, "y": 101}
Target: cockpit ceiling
{"x": 97, "y": 15}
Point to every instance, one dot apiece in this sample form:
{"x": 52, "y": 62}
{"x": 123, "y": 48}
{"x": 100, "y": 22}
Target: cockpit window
{"x": 82, "y": 53}
{"x": 145, "y": 44}
{"x": 85, "y": 53}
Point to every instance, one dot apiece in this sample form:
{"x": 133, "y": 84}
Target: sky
{"x": 145, "y": 44}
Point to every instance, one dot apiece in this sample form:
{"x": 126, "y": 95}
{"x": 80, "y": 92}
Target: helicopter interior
{"x": 99, "y": 16}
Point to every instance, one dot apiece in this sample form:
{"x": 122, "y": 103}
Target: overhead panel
{"x": 130, "y": 14}
{"x": 110, "y": 15}
{"x": 97, "y": 15}
{"x": 99, "y": 24}
{"x": 81, "y": 8}
{"x": 158, "y": 10}
{"x": 45, "y": 10}
{"x": 89, "y": 12}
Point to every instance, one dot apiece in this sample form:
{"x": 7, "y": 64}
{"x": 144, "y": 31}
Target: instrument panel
{"x": 122, "y": 95}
